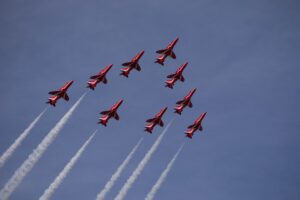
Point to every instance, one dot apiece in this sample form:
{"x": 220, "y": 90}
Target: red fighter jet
{"x": 112, "y": 112}
{"x": 101, "y": 77}
{"x": 164, "y": 53}
{"x": 156, "y": 120}
{"x": 133, "y": 64}
{"x": 186, "y": 101}
{"x": 176, "y": 76}
{"x": 194, "y": 127}
{"x": 60, "y": 93}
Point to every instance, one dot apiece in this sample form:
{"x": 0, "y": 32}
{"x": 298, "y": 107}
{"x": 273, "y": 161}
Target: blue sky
{"x": 243, "y": 58}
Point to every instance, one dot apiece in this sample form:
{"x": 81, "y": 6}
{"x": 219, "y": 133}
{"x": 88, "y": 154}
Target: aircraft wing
{"x": 180, "y": 102}
{"x": 127, "y": 64}
{"x": 150, "y": 120}
{"x": 104, "y": 80}
{"x": 116, "y": 116}
{"x": 161, "y": 51}
{"x": 172, "y": 55}
{"x": 54, "y": 92}
{"x": 138, "y": 67}
{"x": 161, "y": 123}
{"x": 171, "y": 75}
{"x": 105, "y": 112}
{"x": 191, "y": 126}
{"x": 66, "y": 97}
{"x": 94, "y": 77}
{"x": 181, "y": 78}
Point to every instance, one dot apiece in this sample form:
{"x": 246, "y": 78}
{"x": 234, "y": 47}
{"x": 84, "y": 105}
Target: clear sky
{"x": 243, "y": 58}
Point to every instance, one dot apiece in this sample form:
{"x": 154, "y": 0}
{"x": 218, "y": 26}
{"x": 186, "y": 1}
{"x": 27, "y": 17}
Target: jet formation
{"x": 125, "y": 71}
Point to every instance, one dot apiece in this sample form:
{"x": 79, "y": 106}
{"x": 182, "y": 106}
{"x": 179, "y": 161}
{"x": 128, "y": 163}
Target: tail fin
{"x": 55, "y": 92}
{"x": 91, "y": 84}
{"x": 189, "y": 135}
{"x": 125, "y": 72}
{"x": 149, "y": 128}
{"x": 178, "y": 109}
{"x": 160, "y": 60}
{"x": 169, "y": 83}
{"x": 103, "y": 120}
{"x": 51, "y": 102}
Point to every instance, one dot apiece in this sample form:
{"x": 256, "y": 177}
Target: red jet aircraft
{"x": 60, "y": 93}
{"x": 176, "y": 76}
{"x": 101, "y": 77}
{"x": 133, "y": 64}
{"x": 194, "y": 127}
{"x": 186, "y": 101}
{"x": 164, "y": 53}
{"x": 156, "y": 120}
{"x": 112, "y": 112}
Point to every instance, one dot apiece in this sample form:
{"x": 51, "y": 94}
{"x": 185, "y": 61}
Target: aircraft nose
{"x": 109, "y": 66}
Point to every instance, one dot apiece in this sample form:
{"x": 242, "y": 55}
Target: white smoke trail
{"x": 138, "y": 170}
{"x": 62, "y": 175}
{"x": 8, "y": 153}
{"x": 116, "y": 175}
{"x": 29, "y": 163}
{"x": 163, "y": 176}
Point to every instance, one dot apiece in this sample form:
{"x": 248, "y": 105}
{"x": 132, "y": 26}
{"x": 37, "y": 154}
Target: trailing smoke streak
{"x": 37, "y": 153}
{"x": 62, "y": 175}
{"x": 117, "y": 174}
{"x": 163, "y": 176}
{"x": 138, "y": 170}
{"x": 8, "y": 153}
